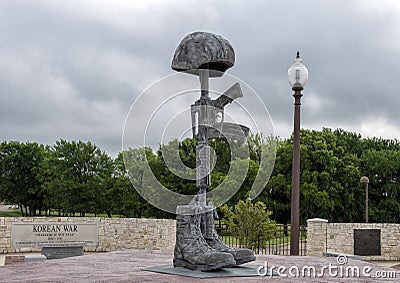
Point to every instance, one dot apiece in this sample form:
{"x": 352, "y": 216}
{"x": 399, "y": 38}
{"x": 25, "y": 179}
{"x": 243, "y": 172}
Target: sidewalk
{"x": 127, "y": 266}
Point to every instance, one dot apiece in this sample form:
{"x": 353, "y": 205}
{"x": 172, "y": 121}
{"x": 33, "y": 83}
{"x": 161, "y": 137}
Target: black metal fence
{"x": 279, "y": 244}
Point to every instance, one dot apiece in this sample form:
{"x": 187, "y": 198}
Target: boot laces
{"x": 196, "y": 234}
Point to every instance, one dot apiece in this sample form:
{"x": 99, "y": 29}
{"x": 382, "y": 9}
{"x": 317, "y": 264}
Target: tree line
{"x": 76, "y": 178}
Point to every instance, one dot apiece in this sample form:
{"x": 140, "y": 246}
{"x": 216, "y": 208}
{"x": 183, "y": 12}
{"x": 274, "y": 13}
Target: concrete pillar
{"x": 316, "y": 236}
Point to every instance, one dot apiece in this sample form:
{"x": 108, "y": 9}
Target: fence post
{"x": 316, "y": 236}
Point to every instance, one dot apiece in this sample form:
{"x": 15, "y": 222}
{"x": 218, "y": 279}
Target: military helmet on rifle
{"x": 203, "y": 50}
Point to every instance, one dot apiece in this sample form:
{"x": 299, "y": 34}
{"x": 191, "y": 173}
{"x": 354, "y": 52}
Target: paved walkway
{"x": 127, "y": 266}
{"x": 7, "y": 207}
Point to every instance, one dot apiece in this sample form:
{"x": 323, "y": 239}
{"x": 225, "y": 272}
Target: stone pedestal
{"x": 316, "y": 236}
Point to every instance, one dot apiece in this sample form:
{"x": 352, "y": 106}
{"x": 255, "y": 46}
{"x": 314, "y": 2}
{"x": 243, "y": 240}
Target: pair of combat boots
{"x": 203, "y": 250}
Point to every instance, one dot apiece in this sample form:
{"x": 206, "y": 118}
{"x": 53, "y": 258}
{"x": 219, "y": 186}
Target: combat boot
{"x": 191, "y": 250}
{"x": 213, "y": 240}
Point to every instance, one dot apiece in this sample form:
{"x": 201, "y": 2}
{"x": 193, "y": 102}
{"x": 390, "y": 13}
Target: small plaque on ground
{"x": 367, "y": 242}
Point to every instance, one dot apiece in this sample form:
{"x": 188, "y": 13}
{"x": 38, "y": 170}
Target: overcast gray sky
{"x": 72, "y": 69}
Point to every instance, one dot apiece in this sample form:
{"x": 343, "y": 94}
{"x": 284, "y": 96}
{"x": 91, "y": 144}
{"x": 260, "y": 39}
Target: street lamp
{"x": 298, "y": 76}
{"x": 365, "y": 180}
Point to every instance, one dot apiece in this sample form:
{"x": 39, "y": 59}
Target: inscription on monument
{"x": 367, "y": 242}
{"x": 34, "y": 234}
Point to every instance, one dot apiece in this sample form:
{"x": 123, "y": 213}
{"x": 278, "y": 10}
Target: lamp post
{"x": 365, "y": 180}
{"x": 298, "y": 76}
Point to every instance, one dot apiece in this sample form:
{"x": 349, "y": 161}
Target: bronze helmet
{"x": 203, "y": 50}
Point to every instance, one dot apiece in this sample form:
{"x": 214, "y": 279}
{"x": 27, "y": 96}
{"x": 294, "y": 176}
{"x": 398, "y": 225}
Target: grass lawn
{"x": 10, "y": 213}
{"x": 279, "y": 240}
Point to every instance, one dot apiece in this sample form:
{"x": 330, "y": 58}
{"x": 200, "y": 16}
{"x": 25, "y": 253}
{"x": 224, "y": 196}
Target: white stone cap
{"x": 317, "y": 220}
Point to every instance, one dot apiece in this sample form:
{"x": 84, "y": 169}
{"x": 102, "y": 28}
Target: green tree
{"x": 122, "y": 198}
{"x": 147, "y": 172}
{"x": 330, "y": 170}
{"x": 277, "y": 193}
{"x": 329, "y": 174}
{"x": 78, "y": 175}
{"x": 19, "y": 182}
{"x": 250, "y": 222}
{"x": 382, "y": 166}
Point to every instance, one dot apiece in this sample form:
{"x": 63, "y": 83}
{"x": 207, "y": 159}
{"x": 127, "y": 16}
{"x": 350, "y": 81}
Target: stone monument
{"x": 198, "y": 246}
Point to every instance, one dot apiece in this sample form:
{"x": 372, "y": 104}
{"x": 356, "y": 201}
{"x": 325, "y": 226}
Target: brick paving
{"x": 127, "y": 266}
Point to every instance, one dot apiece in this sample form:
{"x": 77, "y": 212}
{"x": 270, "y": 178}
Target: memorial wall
{"x": 25, "y": 234}
{"x": 372, "y": 241}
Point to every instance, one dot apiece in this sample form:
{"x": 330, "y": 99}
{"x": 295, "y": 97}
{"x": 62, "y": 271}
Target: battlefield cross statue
{"x": 198, "y": 246}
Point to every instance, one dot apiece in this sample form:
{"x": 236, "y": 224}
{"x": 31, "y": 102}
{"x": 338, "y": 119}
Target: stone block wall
{"x": 339, "y": 238}
{"x": 316, "y": 236}
{"x": 113, "y": 233}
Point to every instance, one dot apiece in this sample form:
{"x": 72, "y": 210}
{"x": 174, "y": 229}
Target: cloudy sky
{"x": 72, "y": 69}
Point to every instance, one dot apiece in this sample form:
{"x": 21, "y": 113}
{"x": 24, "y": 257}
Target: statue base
{"x": 247, "y": 270}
